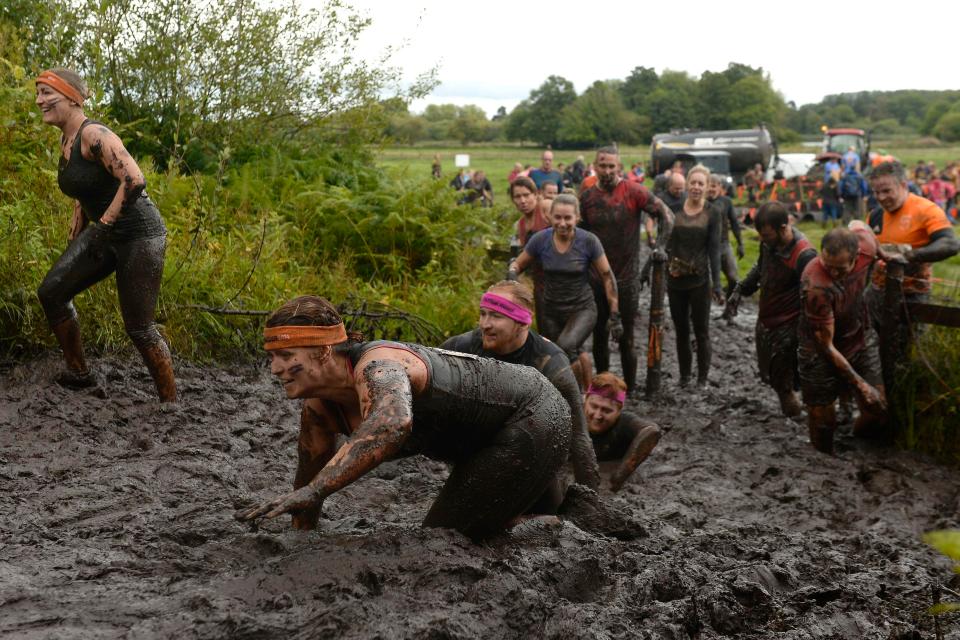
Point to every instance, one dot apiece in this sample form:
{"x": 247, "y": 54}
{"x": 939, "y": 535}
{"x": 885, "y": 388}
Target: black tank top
{"x": 467, "y": 399}
{"x": 92, "y": 185}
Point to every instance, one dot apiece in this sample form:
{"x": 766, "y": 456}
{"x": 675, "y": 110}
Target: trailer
{"x": 747, "y": 147}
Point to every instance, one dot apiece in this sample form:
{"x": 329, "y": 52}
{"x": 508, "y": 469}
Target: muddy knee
{"x": 56, "y": 306}
{"x": 144, "y": 337}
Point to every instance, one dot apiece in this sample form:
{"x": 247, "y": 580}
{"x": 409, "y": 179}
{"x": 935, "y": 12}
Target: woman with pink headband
{"x": 115, "y": 228}
{"x": 503, "y": 427}
{"x": 617, "y": 434}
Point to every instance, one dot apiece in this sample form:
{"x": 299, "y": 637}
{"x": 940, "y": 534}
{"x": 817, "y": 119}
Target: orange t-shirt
{"x": 588, "y": 182}
{"x": 911, "y": 224}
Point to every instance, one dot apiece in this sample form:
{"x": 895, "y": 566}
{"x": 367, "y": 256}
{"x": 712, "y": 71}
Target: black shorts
{"x": 819, "y": 380}
{"x": 777, "y": 356}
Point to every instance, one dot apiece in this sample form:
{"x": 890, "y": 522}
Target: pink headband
{"x": 608, "y": 393}
{"x": 505, "y": 307}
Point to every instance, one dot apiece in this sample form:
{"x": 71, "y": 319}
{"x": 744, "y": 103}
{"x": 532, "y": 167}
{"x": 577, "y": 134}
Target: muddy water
{"x": 116, "y": 522}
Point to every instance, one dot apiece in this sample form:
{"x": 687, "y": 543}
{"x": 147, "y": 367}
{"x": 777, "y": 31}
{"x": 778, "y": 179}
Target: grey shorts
{"x": 819, "y": 381}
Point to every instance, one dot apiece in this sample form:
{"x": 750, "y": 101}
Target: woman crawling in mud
{"x": 115, "y": 228}
{"x": 504, "y": 427}
{"x": 617, "y": 434}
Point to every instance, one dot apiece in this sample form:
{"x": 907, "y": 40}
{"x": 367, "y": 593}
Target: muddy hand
{"x": 303, "y": 498}
{"x": 872, "y": 399}
{"x": 615, "y": 326}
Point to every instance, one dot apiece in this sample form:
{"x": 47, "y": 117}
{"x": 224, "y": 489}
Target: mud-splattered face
{"x": 564, "y": 219}
{"x": 839, "y": 265}
{"x": 889, "y": 192}
{"x": 54, "y": 106}
{"x": 501, "y": 335}
{"x": 772, "y": 237}
{"x": 602, "y": 413}
{"x": 607, "y": 166}
{"x": 524, "y": 200}
{"x": 299, "y": 369}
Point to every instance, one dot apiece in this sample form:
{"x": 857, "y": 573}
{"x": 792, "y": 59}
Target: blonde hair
{"x": 699, "y": 169}
{"x": 517, "y": 290}
{"x": 566, "y": 199}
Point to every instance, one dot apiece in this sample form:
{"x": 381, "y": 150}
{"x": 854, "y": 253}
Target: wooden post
{"x": 893, "y": 327}
{"x": 655, "y": 331}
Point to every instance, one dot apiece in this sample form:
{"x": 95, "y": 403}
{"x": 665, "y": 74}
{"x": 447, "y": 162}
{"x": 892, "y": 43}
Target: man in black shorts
{"x": 613, "y": 210}
{"x": 838, "y": 347}
{"x": 784, "y": 254}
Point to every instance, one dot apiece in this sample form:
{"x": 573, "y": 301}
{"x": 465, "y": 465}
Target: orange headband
{"x": 303, "y": 336}
{"x": 53, "y": 80}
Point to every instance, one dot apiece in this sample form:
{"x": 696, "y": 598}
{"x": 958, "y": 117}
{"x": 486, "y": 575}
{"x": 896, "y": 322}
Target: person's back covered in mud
{"x": 617, "y": 434}
{"x": 504, "y": 334}
{"x": 784, "y": 254}
{"x": 503, "y": 427}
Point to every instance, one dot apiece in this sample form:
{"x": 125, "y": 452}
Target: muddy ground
{"x": 116, "y": 522}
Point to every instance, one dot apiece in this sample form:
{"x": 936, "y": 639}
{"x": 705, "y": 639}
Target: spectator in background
{"x": 853, "y": 188}
{"x": 517, "y": 170}
{"x": 578, "y": 171}
{"x": 830, "y": 195}
{"x": 851, "y": 160}
{"x": 660, "y": 182}
{"x": 753, "y": 181}
{"x": 674, "y": 194}
{"x": 570, "y": 179}
{"x": 565, "y": 181}
{"x": 435, "y": 167}
{"x": 479, "y": 189}
{"x": 546, "y": 170}
{"x": 677, "y": 167}
{"x": 636, "y": 173}
{"x": 459, "y": 181}
{"x": 941, "y": 191}
{"x": 920, "y": 173}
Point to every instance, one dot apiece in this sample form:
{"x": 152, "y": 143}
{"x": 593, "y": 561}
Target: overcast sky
{"x": 492, "y": 53}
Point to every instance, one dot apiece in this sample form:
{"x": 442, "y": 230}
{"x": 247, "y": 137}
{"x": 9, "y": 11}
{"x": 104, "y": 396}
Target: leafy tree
{"x": 752, "y": 101}
{"x": 543, "y": 109}
{"x": 470, "y": 124}
{"x": 637, "y": 87}
{"x": 673, "y": 103}
{"x": 598, "y": 116}
{"x": 948, "y": 127}
{"x": 715, "y": 100}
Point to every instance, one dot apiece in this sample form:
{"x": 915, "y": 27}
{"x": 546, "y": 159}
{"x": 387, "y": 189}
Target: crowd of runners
{"x": 506, "y": 405}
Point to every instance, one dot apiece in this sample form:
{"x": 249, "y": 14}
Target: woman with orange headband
{"x": 617, "y": 434}
{"x": 115, "y": 228}
{"x": 504, "y": 427}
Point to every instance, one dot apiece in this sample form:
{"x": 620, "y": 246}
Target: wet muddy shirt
{"x": 468, "y": 400}
{"x": 613, "y": 444}
{"x": 616, "y": 217}
{"x": 728, "y": 216}
{"x": 777, "y": 275}
{"x": 913, "y": 224}
{"x": 566, "y": 276}
{"x": 526, "y": 230}
{"x": 694, "y": 249}
{"x": 89, "y": 182}
{"x": 842, "y": 302}
{"x": 552, "y": 362}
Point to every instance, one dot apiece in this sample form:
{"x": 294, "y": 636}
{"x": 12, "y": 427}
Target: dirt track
{"x": 116, "y": 522}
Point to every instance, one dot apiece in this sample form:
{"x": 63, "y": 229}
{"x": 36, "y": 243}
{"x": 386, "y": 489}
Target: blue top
{"x": 851, "y": 159}
{"x": 539, "y": 176}
{"x": 566, "y": 276}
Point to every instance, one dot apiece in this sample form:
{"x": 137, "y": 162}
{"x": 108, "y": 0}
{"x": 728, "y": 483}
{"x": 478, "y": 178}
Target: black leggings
{"x": 687, "y": 305}
{"x": 90, "y": 258}
{"x": 628, "y": 300}
{"x": 568, "y": 329}
{"x": 504, "y": 478}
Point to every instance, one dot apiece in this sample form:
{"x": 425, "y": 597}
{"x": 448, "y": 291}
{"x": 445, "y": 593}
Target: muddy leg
{"x": 77, "y": 375}
{"x": 790, "y": 403}
{"x": 583, "y": 370}
{"x": 822, "y": 422}
{"x": 156, "y": 356}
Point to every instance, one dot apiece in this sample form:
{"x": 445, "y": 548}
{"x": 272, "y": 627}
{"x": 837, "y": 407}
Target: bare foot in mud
{"x": 584, "y": 508}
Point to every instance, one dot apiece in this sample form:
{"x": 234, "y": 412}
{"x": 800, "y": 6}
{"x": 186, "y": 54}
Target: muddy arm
{"x": 315, "y": 447}
{"x": 387, "y": 404}
{"x": 585, "y": 468}
{"x": 823, "y": 338}
{"x": 659, "y": 209}
{"x": 640, "y": 448}
{"x": 943, "y": 245}
{"x": 108, "y": 149}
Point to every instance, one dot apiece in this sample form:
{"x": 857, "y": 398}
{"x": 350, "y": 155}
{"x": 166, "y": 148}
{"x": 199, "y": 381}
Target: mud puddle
{"x": 116, "y": 522}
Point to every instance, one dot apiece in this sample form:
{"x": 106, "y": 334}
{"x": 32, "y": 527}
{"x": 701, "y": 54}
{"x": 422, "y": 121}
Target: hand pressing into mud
{"x": 303, "y": 500}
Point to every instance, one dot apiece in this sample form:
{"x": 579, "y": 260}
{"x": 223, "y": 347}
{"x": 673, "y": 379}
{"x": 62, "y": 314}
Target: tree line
{"x": 631, "y": 110}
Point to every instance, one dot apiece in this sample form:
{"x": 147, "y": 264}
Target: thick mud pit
{"x": 116, "y": 522}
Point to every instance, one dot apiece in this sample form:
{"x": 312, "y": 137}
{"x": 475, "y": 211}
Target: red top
{"x": 840, "y": 302}
{"x": 616, "y": 217}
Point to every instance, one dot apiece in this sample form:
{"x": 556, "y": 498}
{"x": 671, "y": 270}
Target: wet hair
{"x": 773, "y": 215}
{"x": 525, "y": 182}
{"x": 839, "y": 240}
{"x": 520, "y": 292}
{"x": 567, "y": 199}
{"x": 608, "y": 150}
{"x": 309, "y": 311}
{"x": 73, "y": 78}
{"x": 894, "y": 169}
{"x": 698, "y": 169}
{"x": 607, "y": 380}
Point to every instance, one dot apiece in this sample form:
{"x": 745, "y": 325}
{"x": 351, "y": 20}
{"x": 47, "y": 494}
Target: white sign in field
{"x": 462, "y": 160}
